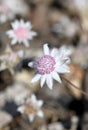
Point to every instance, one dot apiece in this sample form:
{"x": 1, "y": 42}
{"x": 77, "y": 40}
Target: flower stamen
{"x": 45, "y": 64}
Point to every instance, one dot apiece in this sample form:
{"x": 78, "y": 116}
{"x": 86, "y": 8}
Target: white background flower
{"x": 32, "y": 108}
{"x": 80, "y": 3}
{"x": 49, "y": 65}
{"x": 9, "y": 8}
{"x": 9, "y": 59}
{"x": 21, "y": 32}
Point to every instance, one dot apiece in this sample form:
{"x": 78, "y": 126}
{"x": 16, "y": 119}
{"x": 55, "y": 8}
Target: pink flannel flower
{"x": 50, "y": 65}
{"x": 32, "y": 108}
{"x": 21, "y": 32}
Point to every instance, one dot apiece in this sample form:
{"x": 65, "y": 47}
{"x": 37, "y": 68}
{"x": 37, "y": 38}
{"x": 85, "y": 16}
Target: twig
{"x": 74, "y": 86}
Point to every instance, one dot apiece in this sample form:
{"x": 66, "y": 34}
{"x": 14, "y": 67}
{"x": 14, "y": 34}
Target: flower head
{"x": 21, "y": 32}
{"x": 52, "y": 63}
{"x": 80, "y": 3}
{"x": 32, "y": 108}
{"x": 8, "y": 9}
{"x": 65, "y": 27}
{"x": 10, "y": 59}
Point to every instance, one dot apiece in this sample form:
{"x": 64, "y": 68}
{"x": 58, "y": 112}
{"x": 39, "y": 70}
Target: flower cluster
{"x": 48, "y": 67}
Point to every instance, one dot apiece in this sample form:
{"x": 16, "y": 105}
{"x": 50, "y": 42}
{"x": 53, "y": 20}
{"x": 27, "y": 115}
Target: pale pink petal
{"x": 36, "y": 78}
{"x": 46, "y": 49}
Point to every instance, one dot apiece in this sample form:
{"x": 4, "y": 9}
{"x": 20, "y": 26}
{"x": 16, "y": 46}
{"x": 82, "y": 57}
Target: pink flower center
{"x": 45, "y": 64}
{"x": 21, "y": 32}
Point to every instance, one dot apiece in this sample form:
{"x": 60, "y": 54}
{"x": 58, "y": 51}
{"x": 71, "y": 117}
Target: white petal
{"x": 26, "y": 43}
{"x": 56, "y": 77}
{"x": 67, "y": 60}
{"x": 31, "y": 117}
{"x": 40, "y": 103}
{"x": 10, "y": 33}
{"x": 36, "y": 78}
{"x": 28, "y": 25}
{"x": 20, "y": 41}
{"x": 31, "y": 64}
{"x": 46, "y": 49}
{"x": 58, "y": 63}
{"x": 43, "y": 78}
{"x": 32, "y": 33}
{"x": 14, "y": 41}
{"x": 21, "y": 53}
{"x": 3, "y": 18}
{"x": 66, "y": 50}
{"x": 62, "y": 69}
{"x": 33, "y": 98}
{"x": 30, "y": 37}
{"x": 22, "y": 22}
{"x": 40, "y": 113}
{"x": 21, "y": 109}
{"x": 49, "y": 81}
{"x": 15, "y": 24}
{"x": 54, "y": 52}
